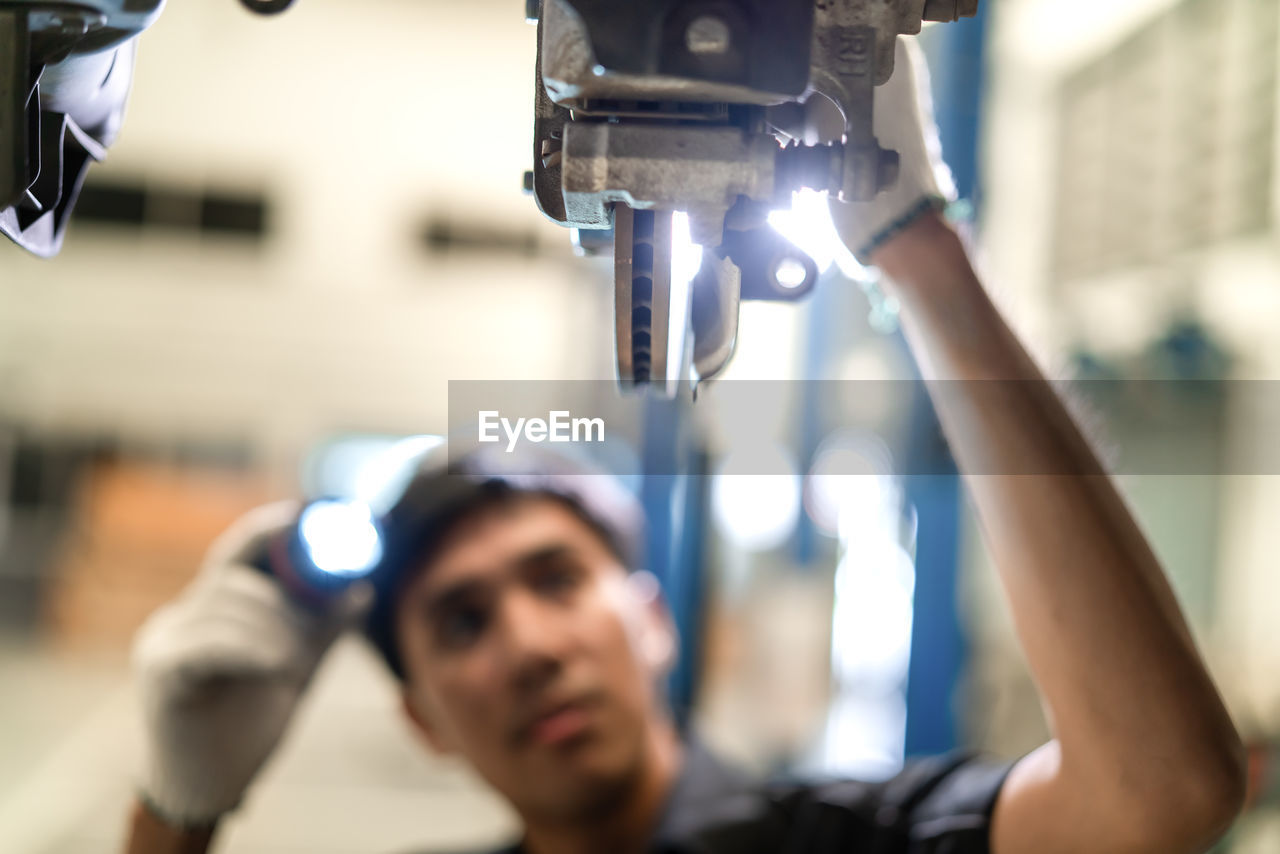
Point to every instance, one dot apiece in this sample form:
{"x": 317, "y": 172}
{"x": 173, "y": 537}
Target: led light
{"x": 340, "y": 537}
{"x": 809, "y": 226}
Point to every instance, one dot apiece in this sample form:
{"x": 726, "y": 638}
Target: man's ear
{"x": 659, "y": 641}
{"x": 420, "y": 718}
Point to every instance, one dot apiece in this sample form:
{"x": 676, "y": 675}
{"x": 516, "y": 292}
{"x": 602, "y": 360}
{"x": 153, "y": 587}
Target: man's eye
{"x": 557, "y": 580}
{"x": 460, "y": 627}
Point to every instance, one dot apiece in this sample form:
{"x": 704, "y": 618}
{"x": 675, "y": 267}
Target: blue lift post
{"x": 673, "y": 493}
{"x": 938, "y": 649}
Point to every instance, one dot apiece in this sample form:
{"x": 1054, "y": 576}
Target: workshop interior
{"x": 261, "y": 249}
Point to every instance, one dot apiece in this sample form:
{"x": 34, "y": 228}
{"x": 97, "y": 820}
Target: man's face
{"x": 529, "y": 650}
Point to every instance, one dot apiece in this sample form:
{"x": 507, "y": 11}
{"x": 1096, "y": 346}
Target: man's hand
{"x": 1144, "y": 757}
{"x": 220, "y": 671}
{"x": 903, "y": 122}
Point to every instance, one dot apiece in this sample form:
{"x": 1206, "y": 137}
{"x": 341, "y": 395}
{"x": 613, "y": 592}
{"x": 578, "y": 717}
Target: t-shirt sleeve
{"x": 945, "y": 803}
{"x": 935, "y": 805}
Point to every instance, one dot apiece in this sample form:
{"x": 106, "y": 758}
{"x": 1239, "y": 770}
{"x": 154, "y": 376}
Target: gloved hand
{"x": 903, "y": 121}
{"x": 220, "y": 670}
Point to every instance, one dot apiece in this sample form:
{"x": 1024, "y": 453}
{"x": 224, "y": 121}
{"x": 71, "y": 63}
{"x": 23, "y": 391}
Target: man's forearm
{"x": 1132, "y": 709}
{"x": 149, "y": 835}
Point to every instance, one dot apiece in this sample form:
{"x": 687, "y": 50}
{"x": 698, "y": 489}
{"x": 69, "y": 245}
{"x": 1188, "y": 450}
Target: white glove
{"x": 220, "y": 670}
{"x": 903, "y": 122}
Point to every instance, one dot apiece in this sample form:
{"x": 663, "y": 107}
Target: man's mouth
{"x": 558, "y": 725}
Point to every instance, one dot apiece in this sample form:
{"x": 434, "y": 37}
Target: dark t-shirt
{"x": 938, "y": 805}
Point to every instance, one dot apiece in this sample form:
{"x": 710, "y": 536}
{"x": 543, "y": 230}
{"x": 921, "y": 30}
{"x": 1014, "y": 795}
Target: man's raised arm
{"x": 1144, "y": 757}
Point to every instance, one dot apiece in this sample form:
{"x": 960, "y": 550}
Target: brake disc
{"x": 650, "y": 351}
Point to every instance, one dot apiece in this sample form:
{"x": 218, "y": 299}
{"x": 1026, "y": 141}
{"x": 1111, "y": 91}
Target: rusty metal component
{"x": 680, "y": 105}
{"x": 662, "y": 166}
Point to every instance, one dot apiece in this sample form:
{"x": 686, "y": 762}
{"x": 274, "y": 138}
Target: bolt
{"x": 707, "y": 35}
{"x": 819, "y": 167}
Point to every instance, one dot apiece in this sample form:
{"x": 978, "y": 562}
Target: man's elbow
{"x": 1223, "y": 778}
{"x": 1198, "y": 805}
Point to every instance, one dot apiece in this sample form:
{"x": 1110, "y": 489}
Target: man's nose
{"x": 534, "y": 640}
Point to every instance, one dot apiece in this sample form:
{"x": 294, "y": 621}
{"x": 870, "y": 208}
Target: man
{"x": 526, "y": 647}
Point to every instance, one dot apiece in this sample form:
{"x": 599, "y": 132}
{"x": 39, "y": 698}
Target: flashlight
{"x": 332, "y": 544}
